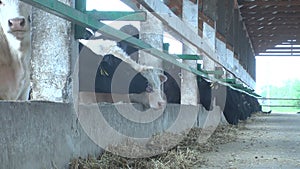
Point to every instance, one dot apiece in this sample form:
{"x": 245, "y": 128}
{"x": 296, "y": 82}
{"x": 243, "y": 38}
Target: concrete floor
{"x": 264, "y": 142}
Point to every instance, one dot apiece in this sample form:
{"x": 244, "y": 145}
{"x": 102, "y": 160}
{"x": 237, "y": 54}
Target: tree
{"x": 290, "y": 89}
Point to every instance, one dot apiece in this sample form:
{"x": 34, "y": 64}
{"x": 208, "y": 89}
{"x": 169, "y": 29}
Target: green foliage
{"x": 290, "y": 89}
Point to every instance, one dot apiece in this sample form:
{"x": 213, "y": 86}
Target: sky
{"x": 269, "y": 70}
{"x": 107, "y": 5}
{"x": 275, "y": 70}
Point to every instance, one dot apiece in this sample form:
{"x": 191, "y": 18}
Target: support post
{"x": 152, "y": 33}
{"x": 189, "y": 88}
{"x": 50, "y": 56}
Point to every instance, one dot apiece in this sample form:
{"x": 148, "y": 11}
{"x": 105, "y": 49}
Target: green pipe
{"x": 118, "y": 15}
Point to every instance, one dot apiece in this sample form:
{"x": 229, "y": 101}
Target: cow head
{"x": 154, "y": 91}
{"x": 15, "y": 22}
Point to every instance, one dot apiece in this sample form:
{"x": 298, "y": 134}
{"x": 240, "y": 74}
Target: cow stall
{"x": 56, "y": 125}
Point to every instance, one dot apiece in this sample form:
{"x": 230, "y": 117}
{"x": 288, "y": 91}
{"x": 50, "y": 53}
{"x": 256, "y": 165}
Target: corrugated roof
{"x": 273, "y": 26}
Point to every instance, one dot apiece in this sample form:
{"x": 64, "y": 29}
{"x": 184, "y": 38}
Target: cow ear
{"x": 163, "y": 78}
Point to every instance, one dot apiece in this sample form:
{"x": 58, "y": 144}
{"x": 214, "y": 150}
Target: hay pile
{"x": 187, "y": 154}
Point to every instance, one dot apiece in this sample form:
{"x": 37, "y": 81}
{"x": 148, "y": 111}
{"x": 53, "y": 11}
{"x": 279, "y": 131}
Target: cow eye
{"x": 149, "y": 89}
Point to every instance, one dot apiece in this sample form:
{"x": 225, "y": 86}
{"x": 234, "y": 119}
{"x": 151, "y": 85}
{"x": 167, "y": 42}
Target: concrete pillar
{"x": 51, "y": 56}
{"x": 209, "y": 36}
{"x": 221, "y": 51}
{"x": 151, "y": 32}
{"x": 189, "y": 88}
{"x": 229, "y": 59}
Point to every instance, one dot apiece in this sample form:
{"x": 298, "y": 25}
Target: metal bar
{"x": 190, "y": 57}
{"x": 281, "y": 105}
{"x": 215, "y": 72}
{"x": 79, "y": 30}
{"x": 66, "y": 12}
{"x": 233, "y": 81}
{"x": 118, "y": 15}
{"x": 264, "y": 98}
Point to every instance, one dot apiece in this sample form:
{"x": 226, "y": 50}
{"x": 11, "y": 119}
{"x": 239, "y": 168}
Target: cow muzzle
{"x": 17, "y": 27}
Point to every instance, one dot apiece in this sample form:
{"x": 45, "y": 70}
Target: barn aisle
{"x": 264, "y": 141}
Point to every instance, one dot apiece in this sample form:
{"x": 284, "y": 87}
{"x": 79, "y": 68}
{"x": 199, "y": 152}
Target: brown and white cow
{"x": 14, "y": 50}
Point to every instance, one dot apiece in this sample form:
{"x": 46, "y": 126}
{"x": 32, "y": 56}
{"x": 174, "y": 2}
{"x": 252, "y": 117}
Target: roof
{"x": 273, "y": 26}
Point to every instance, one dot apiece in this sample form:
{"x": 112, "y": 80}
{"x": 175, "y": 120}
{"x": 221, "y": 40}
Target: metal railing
{"x": 279, "y": 99}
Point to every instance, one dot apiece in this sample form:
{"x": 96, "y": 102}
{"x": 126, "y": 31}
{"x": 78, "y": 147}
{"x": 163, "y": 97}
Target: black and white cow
{"x": 115, "y": 76}
{"x": 14, "y": 50}
{"x": 119, "y": 77}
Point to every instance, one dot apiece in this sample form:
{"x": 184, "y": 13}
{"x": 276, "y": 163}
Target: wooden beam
{"x": 270, "y": 15}
{"x": 283, "y": 26}
{"x": 284, "y": 31}
{"x": 275, "y": 23}
{"x": 269, "y": 18}
{"x": 258, "y": 34}
{"x": 271, "y": 3}
{"x": 270, "y": 9}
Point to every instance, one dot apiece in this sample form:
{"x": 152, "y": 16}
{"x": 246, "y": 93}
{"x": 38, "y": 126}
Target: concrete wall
{"x": 36, "y": 135}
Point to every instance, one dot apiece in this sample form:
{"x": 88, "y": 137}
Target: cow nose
{"x": 16, "y": 24}
{"x": 161, "y": 104}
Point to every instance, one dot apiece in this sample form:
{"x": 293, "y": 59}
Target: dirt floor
{"x": 264, "y": 141}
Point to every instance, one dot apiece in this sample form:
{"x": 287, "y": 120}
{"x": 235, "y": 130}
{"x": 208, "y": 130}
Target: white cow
{"x": 14, "y": 50}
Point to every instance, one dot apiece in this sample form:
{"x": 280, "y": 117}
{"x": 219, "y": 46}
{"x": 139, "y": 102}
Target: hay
{"x": 187, "y": 153}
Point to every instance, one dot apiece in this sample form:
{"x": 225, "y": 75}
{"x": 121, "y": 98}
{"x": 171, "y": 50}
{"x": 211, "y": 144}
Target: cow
{"x": 116, "y": 76}
{"x": 14, "y": 50}
{"x": 228, "y": 100}
{"x": 204, "y": 88}
{"x": 143, "y": 85}
{"x": 235, "y": 104}
{"x": 146, "y": 80}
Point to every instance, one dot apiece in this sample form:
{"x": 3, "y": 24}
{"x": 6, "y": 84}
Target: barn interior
{"x": 222, "y": 44}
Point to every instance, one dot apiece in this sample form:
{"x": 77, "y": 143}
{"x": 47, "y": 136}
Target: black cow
{"x": 204, "y": 88}
{"x": 235, "y": 104}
